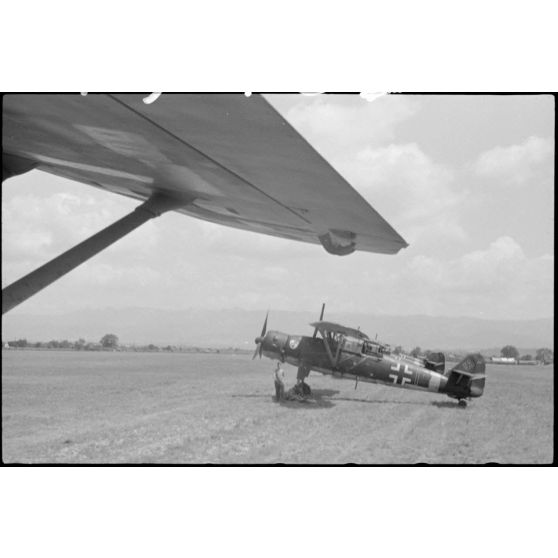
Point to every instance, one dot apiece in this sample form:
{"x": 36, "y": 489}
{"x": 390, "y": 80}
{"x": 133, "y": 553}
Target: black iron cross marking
{"x": 402, "y": 377}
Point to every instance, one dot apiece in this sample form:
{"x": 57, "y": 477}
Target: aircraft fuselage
{"x": 364, "y": 360}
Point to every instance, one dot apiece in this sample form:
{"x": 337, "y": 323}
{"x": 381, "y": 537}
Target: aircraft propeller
{"x": 260, "y": 339}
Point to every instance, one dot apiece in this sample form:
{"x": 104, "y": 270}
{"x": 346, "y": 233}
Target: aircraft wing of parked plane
{"x": 224, "y": 158}
{"x": 324, "y": 326}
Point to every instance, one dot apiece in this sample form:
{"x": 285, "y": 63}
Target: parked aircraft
{"x": 349, "y": 353}
{"x": 224, "y": 158}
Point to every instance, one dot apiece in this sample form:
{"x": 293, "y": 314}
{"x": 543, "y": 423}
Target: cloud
{"x": 417, "y": 186}
{"x": 346, "y": 122}
{"x": 414, "y": 193}
{"x": 488, "y": 268}
{"x": 499, "y": 279}
{"x": 36, "y": 228}
{"x": 132, "y": 277}
{"x": 515, "y": 163}
{"x": 219, "y": 239}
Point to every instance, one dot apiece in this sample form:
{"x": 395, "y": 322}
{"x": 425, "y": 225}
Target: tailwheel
{"x": 462, "y": 403}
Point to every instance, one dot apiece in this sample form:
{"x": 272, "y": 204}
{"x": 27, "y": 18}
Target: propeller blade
{"x": 264, "y": 329}
{"x": 321, "y": 318}
{"x": 259, "y": 347}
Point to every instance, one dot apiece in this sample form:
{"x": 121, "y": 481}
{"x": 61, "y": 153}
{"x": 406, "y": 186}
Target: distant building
{"x": 503, "y": 360}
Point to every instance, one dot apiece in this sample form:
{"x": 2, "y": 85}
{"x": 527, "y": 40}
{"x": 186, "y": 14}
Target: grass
{"x": 74, "y": 407}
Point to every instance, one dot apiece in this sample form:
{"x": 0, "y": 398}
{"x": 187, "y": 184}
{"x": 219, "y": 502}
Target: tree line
{"x": 110, "y": 342}
{"x": 543, "y": 355}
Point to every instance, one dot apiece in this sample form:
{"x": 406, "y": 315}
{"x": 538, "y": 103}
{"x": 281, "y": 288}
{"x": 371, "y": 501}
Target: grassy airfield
{"x": 80, "y": 407}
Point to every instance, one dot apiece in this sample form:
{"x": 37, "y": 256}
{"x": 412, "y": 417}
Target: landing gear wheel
{"x": 302, "y": 391}
{"x": 462, "y": 403}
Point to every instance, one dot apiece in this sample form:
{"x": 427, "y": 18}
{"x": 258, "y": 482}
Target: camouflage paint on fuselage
{"x": 365, "y": 360}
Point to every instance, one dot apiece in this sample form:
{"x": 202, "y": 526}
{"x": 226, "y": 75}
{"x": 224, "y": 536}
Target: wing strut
{"x": 329, "y": 353}
{"x": 37, "y": 280}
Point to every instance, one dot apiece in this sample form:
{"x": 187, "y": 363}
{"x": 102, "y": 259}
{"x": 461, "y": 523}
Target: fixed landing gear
{"x": 462, "y": 403}
{"x": 303, "y": 389}
{"x": 299, "y": 392}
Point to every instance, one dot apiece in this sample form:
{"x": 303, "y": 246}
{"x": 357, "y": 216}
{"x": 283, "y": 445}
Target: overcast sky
{"x": 466, "y": 180}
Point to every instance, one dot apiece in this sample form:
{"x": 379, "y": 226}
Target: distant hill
{"x": 238, "y": 328}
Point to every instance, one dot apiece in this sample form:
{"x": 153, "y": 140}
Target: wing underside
{"x": 235, "y": 160}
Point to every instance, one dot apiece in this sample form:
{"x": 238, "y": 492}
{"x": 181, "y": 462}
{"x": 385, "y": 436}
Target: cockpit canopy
{"x": 353, "y": 340}
{"x": 375, "y": 348}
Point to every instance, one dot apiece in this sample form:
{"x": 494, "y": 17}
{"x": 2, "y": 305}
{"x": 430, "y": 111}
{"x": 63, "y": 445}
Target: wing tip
{"x": 342, "y": 243}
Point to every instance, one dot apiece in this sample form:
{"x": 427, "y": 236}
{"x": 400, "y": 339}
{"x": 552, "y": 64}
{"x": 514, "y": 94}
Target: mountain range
{"x": 238, "y": 328}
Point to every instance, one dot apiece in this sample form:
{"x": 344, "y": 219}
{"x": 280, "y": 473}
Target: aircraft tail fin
{"x": 470, "y": 373}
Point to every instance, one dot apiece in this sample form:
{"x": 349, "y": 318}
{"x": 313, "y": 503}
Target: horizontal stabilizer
{"x": 469, "y": 374}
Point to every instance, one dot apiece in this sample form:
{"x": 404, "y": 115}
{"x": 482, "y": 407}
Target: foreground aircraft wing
{"x": 234, "y": 159}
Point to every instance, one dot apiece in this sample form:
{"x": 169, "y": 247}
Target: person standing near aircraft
{"x": 279, "y": 379}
